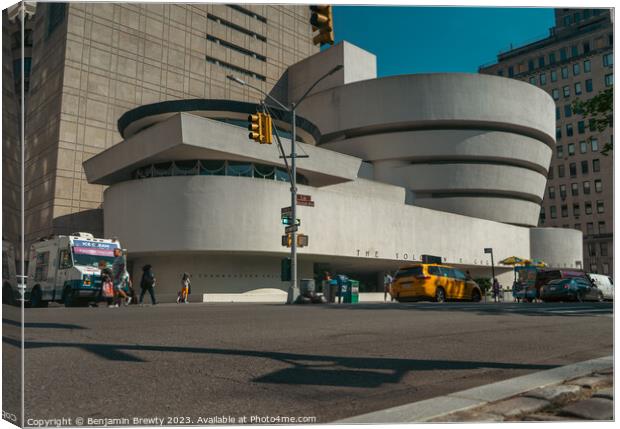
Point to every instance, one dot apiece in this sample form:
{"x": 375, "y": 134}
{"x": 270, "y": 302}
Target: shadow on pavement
{"x": 305, "y": 369}
{"x": 42, "y": 325}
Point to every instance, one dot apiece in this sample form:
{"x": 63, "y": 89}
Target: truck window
{"x": 40, "y": 271}
{"x": 64, "y": 261}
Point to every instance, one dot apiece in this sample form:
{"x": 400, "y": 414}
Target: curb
{"x": 433, "y": 408}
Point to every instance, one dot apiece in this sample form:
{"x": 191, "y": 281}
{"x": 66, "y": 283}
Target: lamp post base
{"x": 293, "y": 295}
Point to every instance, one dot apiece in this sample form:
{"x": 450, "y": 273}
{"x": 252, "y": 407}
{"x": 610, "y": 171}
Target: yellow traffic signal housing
{"x": 256, "y": 127}
{"x": 267, "y": 134}
{"x": 287, "y": 240}
{"x": 322, "y": 19}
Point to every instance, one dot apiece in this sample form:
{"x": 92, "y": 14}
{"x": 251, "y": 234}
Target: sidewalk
{"x": 578, "y": 391}
{"x": 584, "y": 398}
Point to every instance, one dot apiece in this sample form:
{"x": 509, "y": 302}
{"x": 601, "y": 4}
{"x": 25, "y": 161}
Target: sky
{"x": 410, "y": 39}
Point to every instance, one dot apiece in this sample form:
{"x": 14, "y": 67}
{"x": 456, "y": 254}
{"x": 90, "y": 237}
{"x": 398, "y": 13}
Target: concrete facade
{"x": 92, "y": 62}
{"x": 574, "y": 62}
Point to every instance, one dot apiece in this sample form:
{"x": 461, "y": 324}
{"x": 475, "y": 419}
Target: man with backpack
{"x": 147, "y": 284}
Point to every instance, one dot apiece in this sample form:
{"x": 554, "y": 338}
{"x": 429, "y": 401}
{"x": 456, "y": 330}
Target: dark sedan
{"x": 571, "y": 289}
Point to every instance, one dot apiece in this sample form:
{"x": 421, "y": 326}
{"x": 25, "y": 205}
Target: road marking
{"x": 424, "y": 411}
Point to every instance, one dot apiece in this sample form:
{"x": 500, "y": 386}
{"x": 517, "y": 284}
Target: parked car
{"x": 604, "y": 283}
{"x": 570, "y": 289}
{"x": 433, "y": 282}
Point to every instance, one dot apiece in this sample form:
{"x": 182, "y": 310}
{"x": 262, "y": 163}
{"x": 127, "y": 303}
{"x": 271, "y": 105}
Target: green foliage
{"x": 599, "y": 112}
{"x": 484, "y": 283}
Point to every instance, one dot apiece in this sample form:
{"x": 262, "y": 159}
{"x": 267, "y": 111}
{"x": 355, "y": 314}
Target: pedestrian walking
{"x": 147, "y": 284}
{"x": 120, "y": 278}
{"x": 186, "y": 289}
{"x": 387, "y": 281}
{"x": 107, "y": 285}
{"x": 496, "y": 289}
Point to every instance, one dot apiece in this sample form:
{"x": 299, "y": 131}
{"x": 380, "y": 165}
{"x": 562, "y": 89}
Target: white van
{"x": 10, "y": 293}
{"x": 66, "y": 269}
{"x": 604, "y": 283}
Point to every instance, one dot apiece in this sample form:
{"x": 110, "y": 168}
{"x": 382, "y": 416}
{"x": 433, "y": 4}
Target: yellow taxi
{"x": 433, "y": 282}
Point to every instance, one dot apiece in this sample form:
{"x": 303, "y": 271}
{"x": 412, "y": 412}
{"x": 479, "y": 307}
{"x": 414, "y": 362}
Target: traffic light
{"x": 256, "y": 127}
{"x": 322, "y": 20}
{"x": 266, "y": 132}
{"x": 287, "y": 240}
{"x": 302, "y": 240}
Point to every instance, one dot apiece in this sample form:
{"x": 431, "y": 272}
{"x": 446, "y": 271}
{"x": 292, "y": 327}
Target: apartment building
{"x": 574, "y": 63}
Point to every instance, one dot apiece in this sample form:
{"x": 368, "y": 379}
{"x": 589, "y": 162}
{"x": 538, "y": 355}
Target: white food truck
{"x": 10, "y": 293}
{"x": 66, "y": 269}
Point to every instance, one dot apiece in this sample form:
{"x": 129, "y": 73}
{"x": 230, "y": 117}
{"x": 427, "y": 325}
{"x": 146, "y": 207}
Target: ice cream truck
{"x": 66, "y": 269}
{"x": 10, "y": 291}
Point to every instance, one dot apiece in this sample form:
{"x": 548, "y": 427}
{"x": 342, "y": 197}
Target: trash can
{"x": 330, "y": 290}
{"x": 307, "y": 288}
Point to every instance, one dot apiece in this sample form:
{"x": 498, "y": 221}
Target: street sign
{"x": 305, "y": 203}
{"x": 488, "y": 250}
{"x": 305, "y": 200}
{"x": 286, "y": 210}
{"x": 291, "y": 228}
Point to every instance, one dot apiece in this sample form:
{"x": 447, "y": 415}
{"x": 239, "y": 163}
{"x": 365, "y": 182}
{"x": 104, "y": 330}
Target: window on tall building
{"x": 542, "y": 217}
{"x": 553, "y": 212}
{"x": 564, "y": 72}
{"x": 591, "y": 249}
{"x": 589, "y": 87}
{"x": 576, "y": 209}
{"x": 576, "y": 69}
{"x": 563, "y": 192}
{"x": 587, "y": 66}
{"x": 605, "y": 268}
{"x": 558, "y": 133}
{"x": 530, "y": 65}
{"x": 586, "y": 188}
{"x": 567, "y": 20}
{"x": 609, "y": 79}
{"x": 584, "y": 167}
{"x": 594, "y": 143}
{"x": 589, "y": 227}
{"x": 559, "y": 149}
{"x": 572, "y": 169}
{"x": 557, "y": 113}
{"x": 578, "y": 226}
{"x": 500, "y": 72}
{"x": 598, "y": 185}
{"x": 55, "y": 15}
{"x": 564, "y": 210}
{"x": 574, "y": 189}
{"x": 561, "y": 170}
{"x": 554, "y": 75}
{"x": 543, "y": 79}
{"x": 577, "y": 17}
{"x": 563, "y": 54}
{"x": 581, "y": 127}
{"x": 608, "y": 60}
{"x": 574, "y": 51}
{"x": 569, "y": 130}
{"x": 586, "y": 14}
{"x": 566, "y": 91}
{"x": 533, "y": 80}
{"x": 552, "y": 192}
{"x": 583, "y": 147}
{"x": 596, "y": 165}
{"x": 601, "y": 227}
{"x": 541, "y": 62}
{"x": 552, "y": 58}
{"x": 550, "y": 173}
{"x": 603, "y": 248}
{"x": 568, "y": 111}
{"x": 586, "y": 47}
{"x": 511, "y": 71}
{"x": 600, "y": 206}
{"x": 588, "y": 206}
{"x": 571, "y": 149}
{"x": 555, "y": 93}
{"x": 578, "y": 88}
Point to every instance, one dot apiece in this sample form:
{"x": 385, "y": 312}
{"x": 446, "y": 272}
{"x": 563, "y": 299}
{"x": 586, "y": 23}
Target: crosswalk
{"x": 559, "y": 309}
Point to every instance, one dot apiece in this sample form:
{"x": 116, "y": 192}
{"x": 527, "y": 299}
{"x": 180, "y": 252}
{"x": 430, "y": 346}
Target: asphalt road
{"x": 324, "y": 361}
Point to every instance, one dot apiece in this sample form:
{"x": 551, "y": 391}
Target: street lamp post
{"x": 293, "y": 291}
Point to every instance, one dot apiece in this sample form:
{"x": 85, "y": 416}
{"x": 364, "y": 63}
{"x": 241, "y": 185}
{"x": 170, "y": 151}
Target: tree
{"x": 599, "y": 112}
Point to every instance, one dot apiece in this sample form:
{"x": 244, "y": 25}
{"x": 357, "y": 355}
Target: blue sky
{"x": 438, "y": 39}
